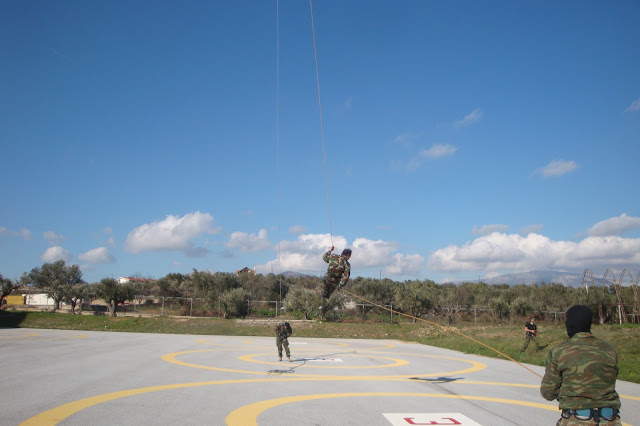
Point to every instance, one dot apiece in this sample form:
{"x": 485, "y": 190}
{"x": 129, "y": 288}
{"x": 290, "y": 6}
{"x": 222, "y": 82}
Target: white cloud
{"x": 405, "y": 139}
{"x": 489, "y": 229}
{"x": 531, "y": 228}
{"x": 97, "y": 255}
{"x": 24, "y": 233}
{"x": 297, "y": 229}
{"x": 498, "y": 251}
{"x": 436, "y": 151}
{"x": 347, "y": 103}
{"x": 635, "y": 106}
{"x": 249, "y": 243}
{"x": 53, "y": 238}
{"x": 111, "y": 241}
{"x": 614, "y": 225}
{"x": 172, "y": 233}
{"x": 558, "y": 168}
{"x": 305, "y": 254}
{"x": 56, "y": 253}
{"x": 471, "y": 118}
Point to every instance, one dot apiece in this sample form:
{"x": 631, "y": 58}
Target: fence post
{"x": 191, "y": 311}
{"x": 391, "y": 305}
{"x": 162, "y": 311}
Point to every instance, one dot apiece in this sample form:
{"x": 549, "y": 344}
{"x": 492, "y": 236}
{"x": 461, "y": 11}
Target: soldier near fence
{"x": 338, "y": 271}
{"x": 581, "y": 374}
{"x": 530, "y": 332}
{"x": 283, "y": 331}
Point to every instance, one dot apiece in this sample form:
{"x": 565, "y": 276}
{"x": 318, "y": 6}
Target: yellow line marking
{"x": 262, "y": 344}
{"x": 248, "y": 415}
{"x": 475, "y": 366}
{"x": 396, "y": 363}
{"x": 57, "y": 414}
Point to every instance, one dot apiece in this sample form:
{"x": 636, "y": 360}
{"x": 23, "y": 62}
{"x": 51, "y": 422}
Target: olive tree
{"x": 304, "y": 300}
{"x": 113, "y": 293}
{"x": 55, "y": 279}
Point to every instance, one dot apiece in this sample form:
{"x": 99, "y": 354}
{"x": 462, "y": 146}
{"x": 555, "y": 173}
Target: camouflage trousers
{"x": 527, "y": 339}
{"x": 282, "y": 342}
{"x": 575, "y": 422}
{"x": 329, "y": 287}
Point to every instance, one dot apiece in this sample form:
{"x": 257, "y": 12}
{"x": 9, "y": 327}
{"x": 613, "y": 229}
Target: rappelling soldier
{"x": 338, "y": 271}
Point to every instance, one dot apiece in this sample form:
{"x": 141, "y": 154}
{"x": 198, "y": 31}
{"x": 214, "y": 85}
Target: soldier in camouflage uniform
{"x": 581, "y": 373}
{"x": 338, "y": 271}
{"x": 283, "y": 331}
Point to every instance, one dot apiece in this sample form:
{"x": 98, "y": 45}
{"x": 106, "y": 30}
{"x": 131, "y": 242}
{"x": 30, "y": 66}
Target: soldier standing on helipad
{"x": 581, "y": 373}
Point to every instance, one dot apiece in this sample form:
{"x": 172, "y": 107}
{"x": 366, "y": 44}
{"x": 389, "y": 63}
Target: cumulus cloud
{"x": 24, "y": 233}
{"x": 489, "y": 229}
{"x": 557, "y": 168}
{"x": 297, "y": 229}
{"x": 531, "y": 228}
{"x": 55, "y": 253}
{"x": 305, "y": 254}
{"x": 249, "y": 243}
{"x": 53, "y": 238}
{"x": 635, "y": 106}
{"x": 499, "y": 251}
{"x": 614, "y": 226}
{"x": 97, "y": 255}
{"x": 473, "y": 117}
{"x": 172, "y": 233}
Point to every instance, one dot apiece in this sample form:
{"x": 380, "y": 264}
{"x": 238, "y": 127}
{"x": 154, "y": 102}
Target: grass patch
{"x": 507, "y": 339}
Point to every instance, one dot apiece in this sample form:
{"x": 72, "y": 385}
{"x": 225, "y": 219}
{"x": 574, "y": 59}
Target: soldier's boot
{"x": 279, "y": 358}
{"x": 288, "y": 357}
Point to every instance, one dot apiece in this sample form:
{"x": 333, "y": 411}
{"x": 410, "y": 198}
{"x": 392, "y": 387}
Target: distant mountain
{"x": 295, "y": 274}
{"x": 567, "y": 279}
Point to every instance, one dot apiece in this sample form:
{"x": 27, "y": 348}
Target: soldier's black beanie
{"x": 579, "y": 319}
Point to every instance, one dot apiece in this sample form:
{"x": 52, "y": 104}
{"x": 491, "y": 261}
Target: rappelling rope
{"x": 448, "y": 328}
{"x": 324, "y": 152}
{"x": 278, "y": 136}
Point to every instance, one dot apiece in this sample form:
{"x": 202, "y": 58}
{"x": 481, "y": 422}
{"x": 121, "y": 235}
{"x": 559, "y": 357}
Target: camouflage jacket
{"x": 581, "y": 373}
{"x": 281, "y": 331}
{"x": 339, "y": 268}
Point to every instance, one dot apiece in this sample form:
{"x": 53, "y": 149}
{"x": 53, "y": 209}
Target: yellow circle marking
{"x": 396, "y": 363}
{"x": 57, "y": 414}
{"x": 248, "y": 415}
{"x": 475, "y": 366}
{"x": 250, "y": 342}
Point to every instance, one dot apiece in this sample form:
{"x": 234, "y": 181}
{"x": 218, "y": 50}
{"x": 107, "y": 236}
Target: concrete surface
{"x": 106, "y": 378}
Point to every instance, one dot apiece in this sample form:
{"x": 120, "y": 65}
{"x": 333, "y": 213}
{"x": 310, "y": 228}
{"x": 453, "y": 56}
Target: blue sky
{"x": 463, "y": 139}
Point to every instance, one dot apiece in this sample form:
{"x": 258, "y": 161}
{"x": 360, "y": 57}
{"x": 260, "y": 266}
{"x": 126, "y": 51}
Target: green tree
{"x": 7, "y": 286}
{"x": 414, "y": 297}
{"x": 77, "y": 293}
{"x": 55, "y": 279}
{"x": 303, "y": 300}
{"x": 235, "y": 302}
{"x": 179, "y": 287}
{"x": 113, "y": 293}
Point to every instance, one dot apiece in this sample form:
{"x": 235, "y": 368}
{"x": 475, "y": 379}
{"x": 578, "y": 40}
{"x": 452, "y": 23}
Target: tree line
{"x": 301, "y": 296}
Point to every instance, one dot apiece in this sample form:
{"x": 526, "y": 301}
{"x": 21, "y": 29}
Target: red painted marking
{"x": 433, "y": 422}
